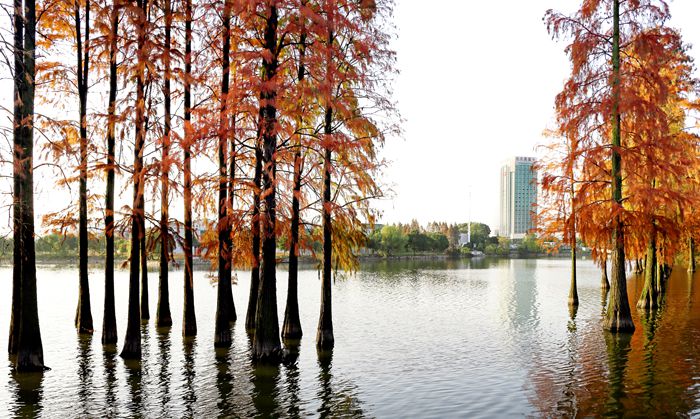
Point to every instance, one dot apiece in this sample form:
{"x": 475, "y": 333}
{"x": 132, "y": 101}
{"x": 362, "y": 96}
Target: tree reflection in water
{"x": 618, "y": 348}
{"x": 28, "y": 394}
{"x": 133, "y": 379}
{"x": 85, "y": 373}
{"x": 265, "y": 392}
{"x": 189, "y": 396}
{"x": 109, "y": 360}
{"x": 336, "y": 401}
{"x": 165, "y": 369}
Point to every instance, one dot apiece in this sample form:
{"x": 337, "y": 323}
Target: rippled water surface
{"x": 413, "y": 339}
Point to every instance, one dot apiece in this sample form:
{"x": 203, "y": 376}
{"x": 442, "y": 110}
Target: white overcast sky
{"x": 477, "y": 85}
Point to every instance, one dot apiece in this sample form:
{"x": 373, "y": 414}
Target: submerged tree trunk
{"x": 573, "y": 292}
{"x": 647, "y": 299}
{"x": 163, "y": 316}
{"x": 255, "y": 232}
{"x": 691, "y": 255}
{"x": 222, "y": 332}
{"x": 30, "y": 352}
{"x": 145, "y": 312}
{"x": 291, "y": 327}
{"x": 618, "y": 317}
{"x": 17, "y": 153}
{"x": 604, "y": 283}
{"x": 109, "y": 323}
{"x": 132, "y": 341}
{"x": 324, "y": 334}
{"x": 189, "y": 320}
{"x": 83, "y": 313}
{"x": 266, "y": 342}
{"x": 573, "y": 289}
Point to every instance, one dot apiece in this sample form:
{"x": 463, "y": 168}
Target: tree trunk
{"x": 30, "y": 352}
{"x": 83, "y": 314}
{"x": 17, "y": 174}
{"x": 109, "y": 324}
{"x": 189, "y": 321}
{"x": 324, "y": 335}
{"x": 604, "y": 283}
{"x": 145, "y": 312}
{"x": 573, "y": 291}
{"x": 266, "y": 342}
{"x": 691, "y": 255}
{"x": 231, "y": 179}
{"x": 222, "y": 333}
{"x": 255, "y": 232}
{"x": 618, "y": 317}
{"x": 163, "y": 316}
{"x": 647, "y": 299}
{"x": 132, "y": 341}
{"x": 291, "y": 327}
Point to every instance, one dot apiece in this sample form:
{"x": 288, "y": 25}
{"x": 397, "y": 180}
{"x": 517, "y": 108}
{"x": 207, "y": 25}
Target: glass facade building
{"x": 518, "y": 197}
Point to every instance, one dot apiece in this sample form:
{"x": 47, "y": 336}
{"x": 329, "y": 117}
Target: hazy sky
{"x": 477, "y": 85}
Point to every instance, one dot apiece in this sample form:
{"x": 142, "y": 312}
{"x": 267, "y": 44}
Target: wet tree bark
{"x": 324, "y": 335}
{"x": 163, "y": 316}
{"x": 145, "y": 312}
{"x": 691, "y": 255}
{"x": 618, "y": 317}
{"x": 83, "y": 313}
{"x": 266, "y": 341}
{"x": 222, "y": 332}
{"x": 604, "y": 283}
{"x": 132, "y": 341}
{"x": 231, "y": 188}
{"x": 17, "y": 153}
{"x": 109, "y": 324}
{"x": 255, "y": 232}
{"x": 647, "y": 299}
{"x": 30, "y": 352}
{"x": 573, "y": 291}
{"x": 189, "y": 321}
{"x": 291, "y": 327}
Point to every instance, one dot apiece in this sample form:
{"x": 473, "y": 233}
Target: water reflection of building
{"x": 518, "y": 197}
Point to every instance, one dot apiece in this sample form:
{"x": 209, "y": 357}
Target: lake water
{"x": 482, "y": 338}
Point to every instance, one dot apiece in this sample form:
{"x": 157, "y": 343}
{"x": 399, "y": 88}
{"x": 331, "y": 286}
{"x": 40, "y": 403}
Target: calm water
{"x": 413, "y": 339}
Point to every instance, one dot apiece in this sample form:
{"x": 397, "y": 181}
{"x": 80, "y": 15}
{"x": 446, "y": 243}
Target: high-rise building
{"x": 518, "y": 197}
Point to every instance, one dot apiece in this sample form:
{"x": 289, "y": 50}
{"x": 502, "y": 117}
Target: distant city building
{"x": 518, "y": 197}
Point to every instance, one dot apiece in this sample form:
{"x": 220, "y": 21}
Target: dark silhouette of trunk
{"x": 604, "y": 283}
{"x": 30, "y": 352}
{"x": 132, "y": 341}
{"x": 109, "y": 324}
{"x": 324, "y": 335}
{"x": 83, "y": 314}
{"x": 266, "y": 342}
{"x": 189, "y": 320}
{"x": 647, "y": 299}
{"x": 573, "y": 291}
{"x": 17, "y": 153}
{"x": 255, "y": 232}
{"x": 691, "y": 255}
{"x": 291, "y": 327}
{"x": 145, "y": 312}
{"x": 163, "y": 317}
{"x": 232, "y": 177}
{"x": 222, "y": 332}
{"x": 618, "y": 317}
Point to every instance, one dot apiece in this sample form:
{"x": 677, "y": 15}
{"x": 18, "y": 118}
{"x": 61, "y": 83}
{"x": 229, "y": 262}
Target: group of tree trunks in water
{"x": 277, "y": 92}
{"x": 622, "y": 171}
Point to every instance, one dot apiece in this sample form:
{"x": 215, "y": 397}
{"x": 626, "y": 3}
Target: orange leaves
{"x": 657, "y": 152}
